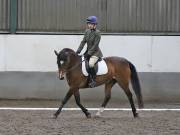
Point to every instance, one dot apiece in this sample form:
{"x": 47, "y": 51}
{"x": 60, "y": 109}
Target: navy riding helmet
{"x": 92, "y": 20}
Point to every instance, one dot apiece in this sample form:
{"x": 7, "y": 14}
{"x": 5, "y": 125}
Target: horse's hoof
{"x": 55, "y": 116}
{"x": 98, "y": 114}
{"x": 88, "y": 115}
{"x": 136, "y": 115}
{"x": 141, "y": 106}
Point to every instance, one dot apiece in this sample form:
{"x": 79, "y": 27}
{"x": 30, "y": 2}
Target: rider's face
{"x": 91, "y": 26}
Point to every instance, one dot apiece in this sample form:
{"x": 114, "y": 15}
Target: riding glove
{"x": 77, "y": 52}
{"x": 87, "y": 56}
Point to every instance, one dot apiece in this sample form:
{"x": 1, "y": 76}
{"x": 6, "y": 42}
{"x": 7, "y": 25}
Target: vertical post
{"x": 13, "y": 16}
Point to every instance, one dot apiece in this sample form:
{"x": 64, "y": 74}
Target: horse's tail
{"x": 136, "y": 85}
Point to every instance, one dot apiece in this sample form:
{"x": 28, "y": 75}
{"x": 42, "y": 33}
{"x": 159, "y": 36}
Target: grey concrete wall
{"x": 36, "y": 52}
{"x": 28, "y": 65}
{"x": 46, "y": 85}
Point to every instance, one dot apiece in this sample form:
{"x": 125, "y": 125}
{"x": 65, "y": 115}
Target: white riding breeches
{"x": 92, "y": 61}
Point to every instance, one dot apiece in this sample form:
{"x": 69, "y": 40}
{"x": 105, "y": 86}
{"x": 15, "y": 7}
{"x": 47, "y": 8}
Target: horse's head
{"x": 64, "y": 60}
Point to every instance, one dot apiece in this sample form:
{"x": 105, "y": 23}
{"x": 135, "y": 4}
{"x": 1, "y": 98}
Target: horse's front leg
{"x": 67, "y": 97}
{"x": 78, "y": 102}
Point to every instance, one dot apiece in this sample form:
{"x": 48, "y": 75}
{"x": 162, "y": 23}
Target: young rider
{"x": 92, "y": 37}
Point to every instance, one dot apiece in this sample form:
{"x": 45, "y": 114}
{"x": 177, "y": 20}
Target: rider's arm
{"x": 95, "y": 45}
{"x": 83, "y": 42}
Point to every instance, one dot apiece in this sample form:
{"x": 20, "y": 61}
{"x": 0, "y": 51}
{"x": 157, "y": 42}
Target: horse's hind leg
{"x": 125, "y": 87}
{"x": 108, "y": 87}
{"x": 78, "y": 102}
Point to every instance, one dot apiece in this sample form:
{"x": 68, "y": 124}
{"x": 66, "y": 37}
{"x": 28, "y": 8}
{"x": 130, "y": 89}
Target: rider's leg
{"x": 92, "y": 61}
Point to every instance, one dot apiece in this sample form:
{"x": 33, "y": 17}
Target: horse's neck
{"x": 74, "y": 62}
{"x": 74, "y": 67}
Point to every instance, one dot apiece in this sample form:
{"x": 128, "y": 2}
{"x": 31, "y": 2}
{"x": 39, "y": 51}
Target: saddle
{"x": 100, "y": 67}
{"x": 95, "y": 66}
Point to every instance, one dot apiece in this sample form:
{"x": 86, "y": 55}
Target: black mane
{"x": 67, "y": 50}
{"x": 64, "y": 53}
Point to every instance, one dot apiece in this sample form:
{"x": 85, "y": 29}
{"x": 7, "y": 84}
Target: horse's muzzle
{"x": 61, "y": 75}
{"x": 61, "y": 78}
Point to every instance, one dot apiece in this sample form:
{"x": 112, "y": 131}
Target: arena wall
{"x": 28, "y": 66}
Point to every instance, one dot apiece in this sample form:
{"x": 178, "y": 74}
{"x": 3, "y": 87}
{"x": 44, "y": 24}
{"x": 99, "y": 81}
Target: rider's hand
{"x": 87, "y": 56}
{"x": 77, "y": 52}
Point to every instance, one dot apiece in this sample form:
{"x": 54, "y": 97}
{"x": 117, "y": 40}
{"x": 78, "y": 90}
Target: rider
{"x": 92, "y": 37}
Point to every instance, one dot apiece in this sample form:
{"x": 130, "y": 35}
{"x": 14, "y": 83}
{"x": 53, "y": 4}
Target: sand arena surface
{"x": 75, "y": 123}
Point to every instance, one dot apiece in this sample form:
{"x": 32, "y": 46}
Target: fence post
{"x": 13, "y": 16}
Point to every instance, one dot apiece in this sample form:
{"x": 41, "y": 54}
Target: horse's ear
{"x": 56, "y": 52}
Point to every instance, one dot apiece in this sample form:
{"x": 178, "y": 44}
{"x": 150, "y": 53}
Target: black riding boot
{"x": 92, "y": 77}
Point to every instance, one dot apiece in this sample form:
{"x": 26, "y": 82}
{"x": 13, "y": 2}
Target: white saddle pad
{"x": 102, "y": 68}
